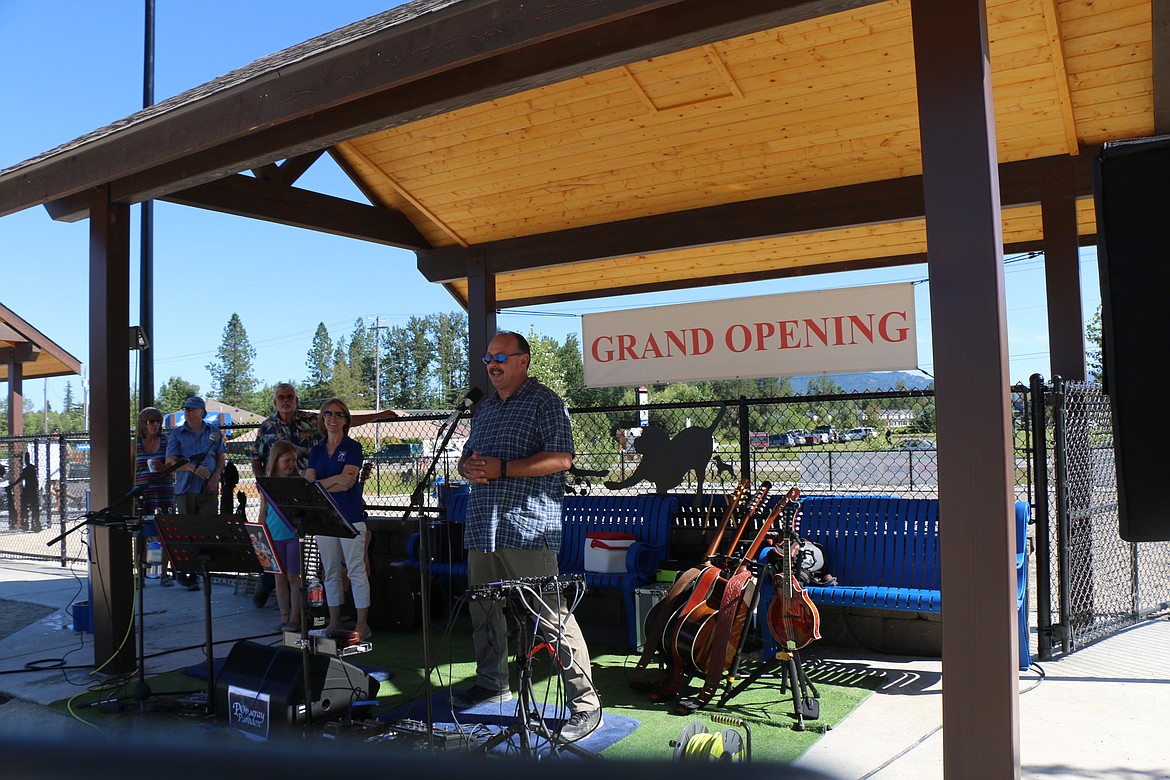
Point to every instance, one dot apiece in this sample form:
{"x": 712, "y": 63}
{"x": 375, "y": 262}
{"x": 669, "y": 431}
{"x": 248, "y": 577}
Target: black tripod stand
{"x": 527, "y": 725}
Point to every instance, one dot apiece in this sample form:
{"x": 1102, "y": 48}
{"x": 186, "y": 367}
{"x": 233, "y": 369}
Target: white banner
{"x": 795, "y": 334}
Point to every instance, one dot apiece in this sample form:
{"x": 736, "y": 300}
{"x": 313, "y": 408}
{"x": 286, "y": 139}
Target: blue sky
{"x": 70, "y": 66}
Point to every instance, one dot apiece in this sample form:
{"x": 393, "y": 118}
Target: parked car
{"x": 404, "y": 457}
{"x": 798, "y": 435}
{"x": 827, "y": 433}
{"x": 781, "y": 440}
{"x": 916, "y": 444}
{"x": 858, "y": 434}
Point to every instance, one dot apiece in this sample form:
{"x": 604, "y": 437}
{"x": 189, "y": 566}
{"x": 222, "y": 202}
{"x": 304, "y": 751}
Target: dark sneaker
{"x": 581, "y": 725}
{"x": 193, "y": 584}
{"x": 476, "y": 695}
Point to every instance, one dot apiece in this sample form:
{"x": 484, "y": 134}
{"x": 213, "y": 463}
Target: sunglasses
{"x": 331, "y": 414}
{"x": 500, "y": 357}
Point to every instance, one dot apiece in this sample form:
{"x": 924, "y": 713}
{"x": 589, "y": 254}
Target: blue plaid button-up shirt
{"x": 521, "y": 513}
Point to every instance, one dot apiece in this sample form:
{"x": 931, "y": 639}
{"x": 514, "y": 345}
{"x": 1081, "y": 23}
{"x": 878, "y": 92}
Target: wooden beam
{"x": 454, "y": 57}
{"x": 888, "y": 261}
{"x": 1062, "y": 279}
{"x": 249, "y": 197}
{"x": 111, "y": 476}
{"x": 976, "y": 486}
{"x": 860, "y": 204}
{"x": 1161, "y": 64}
{"x": 1060, "y": 72}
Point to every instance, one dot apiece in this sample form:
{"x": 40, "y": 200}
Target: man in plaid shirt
{"x": 520, "y": 447}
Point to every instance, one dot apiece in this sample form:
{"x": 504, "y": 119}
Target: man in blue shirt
{"x": 521, "y": 445}
{"x": 199, "y": 446}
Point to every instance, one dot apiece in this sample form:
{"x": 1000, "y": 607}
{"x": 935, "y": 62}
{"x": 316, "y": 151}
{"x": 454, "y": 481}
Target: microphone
{"x": 466, "y": 402}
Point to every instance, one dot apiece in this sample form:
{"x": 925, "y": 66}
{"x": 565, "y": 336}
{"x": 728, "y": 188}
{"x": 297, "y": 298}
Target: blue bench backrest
{"x": 647, "y": 517}
{"x": 875, "y": 540}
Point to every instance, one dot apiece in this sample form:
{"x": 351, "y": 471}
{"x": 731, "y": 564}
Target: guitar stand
{"x": 527, "y": 723}
{"x": 792, "y": 675}
{"x": 793, "y": 678}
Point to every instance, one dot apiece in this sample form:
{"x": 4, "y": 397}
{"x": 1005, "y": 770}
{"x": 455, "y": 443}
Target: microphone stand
{"x": 104, "y": 517}
{"x": 416, "y": 504}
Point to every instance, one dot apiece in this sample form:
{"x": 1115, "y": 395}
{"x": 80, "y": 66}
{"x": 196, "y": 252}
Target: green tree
{"x": 823, "y": 385}
{"x": 407, "y": 369}
{"x": 1093, "y": 347}
{"x": 362, "y": 363}
{"x": 173, "y": 393}
{"x": 320, "y": 365}
{"x": 449, "y": 332}
{"x": 232, "y": 381}
{"x": 545, "y": 364}
{"x": 346, "y": 383}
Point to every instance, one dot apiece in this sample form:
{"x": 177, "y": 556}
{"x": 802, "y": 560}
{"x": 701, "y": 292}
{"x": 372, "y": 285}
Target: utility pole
{"x": 378, "y": 327}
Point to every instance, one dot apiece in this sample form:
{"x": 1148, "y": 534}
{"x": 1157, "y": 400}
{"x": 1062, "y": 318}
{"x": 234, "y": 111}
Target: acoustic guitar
{"x": 719, "y": 625}
{"x": 678, "y": 595}
{"x": 691, "y": 629}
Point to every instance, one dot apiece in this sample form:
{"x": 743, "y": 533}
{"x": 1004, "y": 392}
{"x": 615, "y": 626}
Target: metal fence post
{"x": 1063, "y": 551}
{"x": 745, "y": 450}
{"x": 1038, "y": 424}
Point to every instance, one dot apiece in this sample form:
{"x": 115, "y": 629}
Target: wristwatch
{"x": 503, "y": 469}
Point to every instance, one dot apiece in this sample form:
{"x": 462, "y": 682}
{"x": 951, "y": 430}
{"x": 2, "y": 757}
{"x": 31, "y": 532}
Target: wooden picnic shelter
{"x": 558, "y": 150}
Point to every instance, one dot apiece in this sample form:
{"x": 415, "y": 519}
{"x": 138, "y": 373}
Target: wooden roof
{"x": 756, "y": 140}
{"x": 39, "y": 356}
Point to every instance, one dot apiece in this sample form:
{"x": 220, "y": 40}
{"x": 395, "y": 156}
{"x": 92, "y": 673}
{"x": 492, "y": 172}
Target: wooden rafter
{"x": 1060, "y": 72}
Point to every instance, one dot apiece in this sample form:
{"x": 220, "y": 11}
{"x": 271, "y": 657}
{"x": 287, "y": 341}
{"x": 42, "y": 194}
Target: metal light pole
{"x": 146, "y": 259}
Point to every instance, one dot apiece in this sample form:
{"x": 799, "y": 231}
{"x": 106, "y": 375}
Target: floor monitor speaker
{"x": 278, "y": 673}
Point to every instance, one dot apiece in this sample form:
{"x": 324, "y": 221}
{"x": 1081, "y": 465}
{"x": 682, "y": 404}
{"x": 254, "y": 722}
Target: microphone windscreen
{"x": 474, "y": 394}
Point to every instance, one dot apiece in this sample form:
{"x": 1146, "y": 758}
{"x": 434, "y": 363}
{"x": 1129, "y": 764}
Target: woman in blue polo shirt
{"x": 335, "y": 463}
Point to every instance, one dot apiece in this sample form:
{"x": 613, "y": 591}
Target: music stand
{"x": 202, "y": 544}
{"x": 310, "y": 511}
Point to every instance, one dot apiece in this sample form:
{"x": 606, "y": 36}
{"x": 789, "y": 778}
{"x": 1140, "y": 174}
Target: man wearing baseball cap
{"x": 200, "y": 448}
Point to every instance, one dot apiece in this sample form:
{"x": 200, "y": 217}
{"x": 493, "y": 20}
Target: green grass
{"x": 767, "y": 712}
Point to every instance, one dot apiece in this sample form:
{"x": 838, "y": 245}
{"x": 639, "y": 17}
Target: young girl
{"x": 282, "y": 462}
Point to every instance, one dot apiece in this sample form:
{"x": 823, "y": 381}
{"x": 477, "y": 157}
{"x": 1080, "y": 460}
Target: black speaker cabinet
{"x": 1131, "y": 182}
{"x": 278, "y": 672}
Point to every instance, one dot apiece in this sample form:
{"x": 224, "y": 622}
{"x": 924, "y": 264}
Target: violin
{"x": 792, "y": 616}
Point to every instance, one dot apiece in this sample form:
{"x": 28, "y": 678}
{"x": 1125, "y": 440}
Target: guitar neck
{"x": 732, "y": 503}
{"x": 765, "y": 488}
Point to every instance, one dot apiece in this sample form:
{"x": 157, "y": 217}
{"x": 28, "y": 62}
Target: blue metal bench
{"x": 884, "y": 552}
{"x": 646, "y": 517}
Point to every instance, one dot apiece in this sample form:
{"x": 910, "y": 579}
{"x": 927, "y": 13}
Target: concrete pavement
{"x": 1102, "y": 712}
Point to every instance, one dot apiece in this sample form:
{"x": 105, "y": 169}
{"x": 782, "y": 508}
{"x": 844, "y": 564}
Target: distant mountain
{"x": 872, "y": 381}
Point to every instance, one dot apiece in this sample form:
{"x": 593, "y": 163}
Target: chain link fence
{"x": 46, "y": 486}
{"x": 1090, "y": 583}
{"x": 861, "y": 443}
